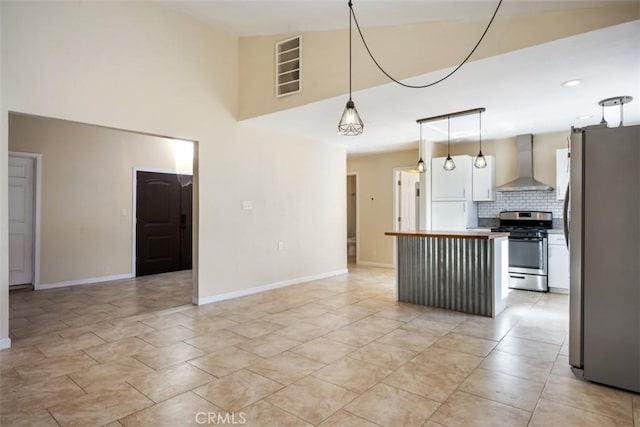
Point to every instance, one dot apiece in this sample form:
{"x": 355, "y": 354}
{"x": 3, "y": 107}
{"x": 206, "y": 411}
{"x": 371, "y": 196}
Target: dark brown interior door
{"x": 163, "y": 224}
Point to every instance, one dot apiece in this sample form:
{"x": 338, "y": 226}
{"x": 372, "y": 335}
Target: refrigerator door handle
{"x": 565, "y": 216}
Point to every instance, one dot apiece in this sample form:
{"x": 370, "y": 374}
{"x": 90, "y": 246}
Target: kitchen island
{"x": 457, "y": 270}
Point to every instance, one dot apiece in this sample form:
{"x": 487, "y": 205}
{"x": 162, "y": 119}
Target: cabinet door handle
{"x": 464, "y": 192}
{"x": 488, "y": 193}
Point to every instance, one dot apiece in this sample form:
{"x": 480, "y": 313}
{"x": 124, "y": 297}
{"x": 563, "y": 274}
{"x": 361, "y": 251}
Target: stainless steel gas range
{"x": 528, "y": 258}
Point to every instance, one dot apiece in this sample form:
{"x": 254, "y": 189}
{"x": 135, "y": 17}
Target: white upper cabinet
{"x": 562, "y": 172}
{"x": 451, "y": 185}
{"x": 484, "y": 181}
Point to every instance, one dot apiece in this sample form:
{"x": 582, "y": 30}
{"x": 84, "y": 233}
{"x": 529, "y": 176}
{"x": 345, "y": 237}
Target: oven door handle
{"x": 528, "y": 239}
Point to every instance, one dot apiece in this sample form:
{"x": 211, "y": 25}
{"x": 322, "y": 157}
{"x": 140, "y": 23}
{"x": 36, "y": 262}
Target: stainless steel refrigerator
{"x": 603, "y": 231}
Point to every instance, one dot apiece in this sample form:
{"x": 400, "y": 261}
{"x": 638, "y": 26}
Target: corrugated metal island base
{"x": 461, "y": 271}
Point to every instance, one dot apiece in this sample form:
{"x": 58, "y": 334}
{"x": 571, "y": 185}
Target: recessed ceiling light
{"x": 571, "y": 83}
{"x": 583, "y": 117}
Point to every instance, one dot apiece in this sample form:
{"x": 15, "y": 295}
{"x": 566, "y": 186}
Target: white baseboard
{"x": 5, "y": 343}
{"x": 375, "y": 264}
{"x": 268, "y": 287}
{"x": 88, "y": 281}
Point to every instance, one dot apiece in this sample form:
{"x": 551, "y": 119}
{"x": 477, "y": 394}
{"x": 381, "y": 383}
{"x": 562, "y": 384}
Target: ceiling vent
{"x": 288, "y": 66}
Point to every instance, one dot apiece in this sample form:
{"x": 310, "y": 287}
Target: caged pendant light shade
{"x": 449, "y": 164}
{"x": 480, "y": 161}
{"x": 421, "y": 166}
{"x": 350, "y": 123}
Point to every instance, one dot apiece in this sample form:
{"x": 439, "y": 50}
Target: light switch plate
{"x": 247, "y": 205}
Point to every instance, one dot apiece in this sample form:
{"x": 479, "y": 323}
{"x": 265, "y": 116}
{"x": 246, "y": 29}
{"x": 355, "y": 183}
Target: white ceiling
{"x": 520, "y": 90}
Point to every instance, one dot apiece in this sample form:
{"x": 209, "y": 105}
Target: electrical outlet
{"x": 280, "y": 246}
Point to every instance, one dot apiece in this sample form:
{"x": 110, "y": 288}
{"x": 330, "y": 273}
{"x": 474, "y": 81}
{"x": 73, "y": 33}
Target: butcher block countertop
{"x": 469, "y": 234}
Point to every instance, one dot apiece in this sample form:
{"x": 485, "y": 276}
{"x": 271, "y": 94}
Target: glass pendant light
{"x": 480, "y": 162}
{"x": 350, "y": 123}
{"x": 421, "y": 166}
{"x": 449, "y": 164}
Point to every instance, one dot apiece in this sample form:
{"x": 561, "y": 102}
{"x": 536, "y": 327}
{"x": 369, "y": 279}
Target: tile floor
{"x": 334, "y": 352}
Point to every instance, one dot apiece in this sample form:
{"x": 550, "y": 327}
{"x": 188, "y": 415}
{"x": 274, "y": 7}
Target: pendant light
{"x": 480, "y": 161}
{"x": 350, "y": 123}
{"x": 449, "y": 164}
{"x": 603, "y": 121}
{"x": 421, "y": 166}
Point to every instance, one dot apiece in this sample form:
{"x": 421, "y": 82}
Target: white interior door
{"x": 407, "y": 208}
{"x": 21, "y": 208}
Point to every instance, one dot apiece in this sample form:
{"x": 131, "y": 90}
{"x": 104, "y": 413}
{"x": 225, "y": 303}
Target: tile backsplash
{"x": 521, "y": 201}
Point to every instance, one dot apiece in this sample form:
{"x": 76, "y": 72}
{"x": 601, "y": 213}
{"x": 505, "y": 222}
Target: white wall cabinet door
{"x": 558, "y": 263}
{"x": 562, "y": 172}
{"x": 451, "y": 185}
{"x": 484, "y": 181}
{"x": 448, "y": 216}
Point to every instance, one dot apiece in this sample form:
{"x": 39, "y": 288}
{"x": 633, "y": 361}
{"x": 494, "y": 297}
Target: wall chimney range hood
{"x": 525, "y": 180}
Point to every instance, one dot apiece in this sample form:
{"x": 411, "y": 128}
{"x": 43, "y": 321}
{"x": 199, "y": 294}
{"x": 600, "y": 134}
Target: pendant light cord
{"x": 448, "y": 136}
{"x": 352, "y": 13}
{"x": 420, "y": 144}
{"x": 480, "y": 134}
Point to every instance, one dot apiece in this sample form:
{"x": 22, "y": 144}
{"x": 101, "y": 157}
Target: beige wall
{"x": 143, "y": 67}
{"x": 87, "y": 182}
{"x": 404, "y": 51}
{"x": 375, "y": 199}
